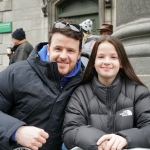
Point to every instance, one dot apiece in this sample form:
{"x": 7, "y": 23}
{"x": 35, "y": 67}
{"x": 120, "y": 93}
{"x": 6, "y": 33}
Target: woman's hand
{"x": 103, "y": 145}
{"x": 111, "y": 142}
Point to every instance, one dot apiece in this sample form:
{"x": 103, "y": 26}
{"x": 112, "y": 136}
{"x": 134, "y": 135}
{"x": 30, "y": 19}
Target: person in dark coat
{"x": 35, "y": 92}
{"x": 21, "y": 49}
{"x": 111, "y": 109}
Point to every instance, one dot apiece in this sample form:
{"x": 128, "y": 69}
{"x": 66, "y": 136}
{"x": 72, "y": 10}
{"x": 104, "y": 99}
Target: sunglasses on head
{"x": 74, "y": 27}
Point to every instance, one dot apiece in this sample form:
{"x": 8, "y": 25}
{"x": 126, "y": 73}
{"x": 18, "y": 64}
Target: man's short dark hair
{"x": 67, "y": 31}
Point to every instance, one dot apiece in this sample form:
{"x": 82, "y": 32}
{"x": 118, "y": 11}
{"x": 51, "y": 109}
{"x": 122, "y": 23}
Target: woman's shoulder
{"x": 133, "y": 83}
{"x": 136, "y": 88}
{"x": 84, "y": 90}
{"x": 84, "y": 87}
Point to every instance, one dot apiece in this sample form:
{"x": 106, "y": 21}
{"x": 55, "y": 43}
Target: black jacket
{"x": 21, "y": 51}
{"x": 95, "y": 110}
{"x": 30, "y": 94}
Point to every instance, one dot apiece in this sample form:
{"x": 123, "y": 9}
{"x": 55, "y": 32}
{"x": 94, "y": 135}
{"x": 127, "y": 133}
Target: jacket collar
{"x": 107, "y": 94}
{"x": 16, "y": 46}
{"x": 23, "y": 41}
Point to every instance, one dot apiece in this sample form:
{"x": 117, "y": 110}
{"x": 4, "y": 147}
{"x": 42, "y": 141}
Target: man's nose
{"x": 63, "y": 54}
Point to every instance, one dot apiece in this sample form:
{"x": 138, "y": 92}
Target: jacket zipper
{"x": 110, "y": 113}
{"x": 60, "y": 91}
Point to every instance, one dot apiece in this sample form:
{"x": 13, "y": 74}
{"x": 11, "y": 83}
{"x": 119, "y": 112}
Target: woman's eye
{"x": 100, "y": 57}
{"x": 114, "y": 57}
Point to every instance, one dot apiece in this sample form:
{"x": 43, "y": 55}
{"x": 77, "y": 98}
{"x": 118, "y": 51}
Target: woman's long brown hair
{"x": 126, "y": 70}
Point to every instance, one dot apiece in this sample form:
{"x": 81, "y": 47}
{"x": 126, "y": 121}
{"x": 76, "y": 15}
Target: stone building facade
{"x": 130, "y": 19}
{"x": 26, "y": 14}
{"x": 36, "y": 17}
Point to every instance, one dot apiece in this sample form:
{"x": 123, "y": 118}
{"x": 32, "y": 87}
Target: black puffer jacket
{"x": 95, "y": 110}
{"x": 30, "y": 94}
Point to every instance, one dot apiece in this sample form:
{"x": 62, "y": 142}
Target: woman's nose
{"x": 107, "y": 60}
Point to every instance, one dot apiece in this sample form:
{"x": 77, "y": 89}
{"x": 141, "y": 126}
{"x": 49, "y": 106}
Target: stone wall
{"x": 26, "y": 14}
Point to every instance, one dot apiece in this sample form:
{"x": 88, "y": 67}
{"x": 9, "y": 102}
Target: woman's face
{"x": 107, "y": 63}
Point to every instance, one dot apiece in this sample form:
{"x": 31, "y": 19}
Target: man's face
{"x": 104, "y": 32}
{"x": 65, "y": 51}
{"x": 15, "y": 41}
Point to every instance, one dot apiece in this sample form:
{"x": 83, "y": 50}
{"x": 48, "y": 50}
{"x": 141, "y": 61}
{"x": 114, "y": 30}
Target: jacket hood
{"x": 47, "y": 71}
{"x": 43, "y": 54}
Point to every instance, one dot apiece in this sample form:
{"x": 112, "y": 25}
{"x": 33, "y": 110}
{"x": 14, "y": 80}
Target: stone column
{"x": 133, "y": 28}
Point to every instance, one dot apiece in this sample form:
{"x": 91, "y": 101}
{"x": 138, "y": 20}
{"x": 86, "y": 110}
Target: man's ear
{"x": 48, "y": 49}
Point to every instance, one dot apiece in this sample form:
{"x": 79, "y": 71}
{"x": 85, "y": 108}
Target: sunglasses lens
{"x": 59, "y": 25}
{"x": 75, "y": 27}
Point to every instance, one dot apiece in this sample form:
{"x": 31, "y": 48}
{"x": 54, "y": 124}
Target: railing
{"x": 78, "y": 148}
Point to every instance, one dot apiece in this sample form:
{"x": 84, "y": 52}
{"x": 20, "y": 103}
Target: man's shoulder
{"x": 133, "y": 87}
{"x": 16, "y": 68}
{"x": 19, "y": 64}
{"x": 26, "y": 44}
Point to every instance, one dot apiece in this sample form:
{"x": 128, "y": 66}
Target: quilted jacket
{"x": 95, "y": 110}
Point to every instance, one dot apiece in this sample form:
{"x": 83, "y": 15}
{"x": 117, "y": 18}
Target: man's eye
{"x": 58, "y": 49}
{"x": 70, "y": 50}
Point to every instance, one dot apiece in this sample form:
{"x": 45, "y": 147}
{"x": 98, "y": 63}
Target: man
{"x": 22, "y": 48}
{"x": 35, "y": 92}
{"x": 105, "y": 29}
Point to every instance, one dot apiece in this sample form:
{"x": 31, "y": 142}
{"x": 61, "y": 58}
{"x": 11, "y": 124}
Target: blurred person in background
{"x": 21, "y": 49}
{"x": 105, "y": 29}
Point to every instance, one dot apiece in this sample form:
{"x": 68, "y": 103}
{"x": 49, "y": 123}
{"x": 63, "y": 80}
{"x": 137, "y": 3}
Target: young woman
{"x": 111, "y": 109}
